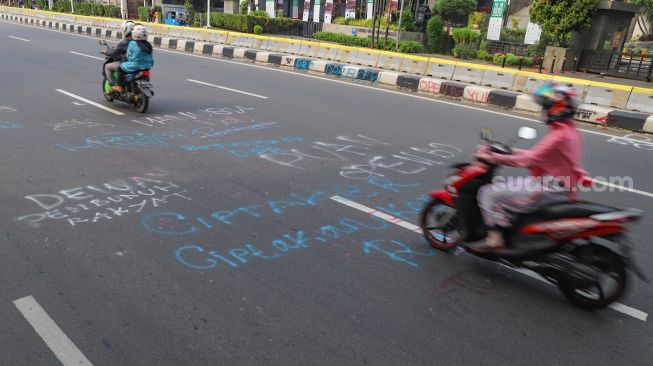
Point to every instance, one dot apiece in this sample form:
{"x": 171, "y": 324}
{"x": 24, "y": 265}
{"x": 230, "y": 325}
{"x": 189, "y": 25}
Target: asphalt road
{"x": 204, "y": 233}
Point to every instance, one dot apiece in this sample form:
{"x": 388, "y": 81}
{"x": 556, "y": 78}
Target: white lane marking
{"x": 52, "y": 335}
{"x": 327, "y": 79}
{"x": 85, "y": 55}
{"x": 229, "y": 89}
{"x": 18, "y": 38}
{"x": 632, "y": 190}
{"x": 78, "y": 103}
{"x": 624, "y": 309}
{"x": 90, "y": 102}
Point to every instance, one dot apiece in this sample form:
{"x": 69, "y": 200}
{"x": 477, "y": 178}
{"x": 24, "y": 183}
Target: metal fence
{"x": 310, "y": 28}
{"x": 626, "y": 65}
{"x": 517, "y": 49}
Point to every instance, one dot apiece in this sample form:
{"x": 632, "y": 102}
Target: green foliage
{"x": 367, "y": 23}
{"x": 648, "y": 8}
{"x": 561, "y": 17}
{"x": 483, "y": 55}
{"x": 515, "y": 22}
{"x": 455, "y": 8}
{"x": 434, "y": 32}
{"x": 42, "y": 4}
{"x": 407, "y": 21}
{"x": 142, "y": 13}
{"x": 243, "y": 6}
{"x": 247, "y": 22}
{"x": 513, "y": 35}
{"x": 465, "y": 51}
{"x": 340, "y": 21}
{"x": 476, "y": 20}
{"x": 512, "y": 60}
{"x": 259, "y": 13}
{"x": 483, "y": 45}
{"x": 258, "y": 29}
{"x": 464, "y": 35}
{"x": 390, "y": 45}
{"x": 86, "y": 8}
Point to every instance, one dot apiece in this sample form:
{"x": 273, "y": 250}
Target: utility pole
{"x": 401, "y": 12}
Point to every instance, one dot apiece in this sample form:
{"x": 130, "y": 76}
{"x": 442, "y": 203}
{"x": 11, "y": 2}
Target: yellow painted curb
{"x": 442, "y": 61}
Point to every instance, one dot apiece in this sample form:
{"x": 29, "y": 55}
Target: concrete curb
{"x": 601, "y": 104}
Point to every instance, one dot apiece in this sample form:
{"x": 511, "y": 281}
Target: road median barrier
{"x": 479, "y": 94}
{"x": 627, "y": 120}
{"x": 410, "y": 82}
{"x": 608, "y": 95}
{"x": 389, "y": 61}
{"x": 499, "y": 78}
{"x": 603, "y": 103}
{"x": 453, "y": 89}
{"x": 640, "y": 100}
{"x": 388, "y": 77}
{"x": 430, "y": 86}
{"x": 466, "y": 72}
{"x": 503, "y": 98}
{"x": 412, "y": 64}
{"x": 593, "y": 113}
{"x": 525, "y": 102}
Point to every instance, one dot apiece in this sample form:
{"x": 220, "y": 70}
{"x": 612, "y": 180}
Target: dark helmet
{"x": 559, "y": 102}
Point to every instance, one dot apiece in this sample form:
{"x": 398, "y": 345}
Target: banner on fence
{"x": 533, "y": 33}
{"x": 496, "y": 20}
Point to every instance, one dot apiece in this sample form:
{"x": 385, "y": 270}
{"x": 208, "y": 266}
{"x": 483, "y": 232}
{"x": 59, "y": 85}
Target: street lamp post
{"x": 401, "y": 13}
{"x": 208, "y": 13}
{"x": 72, "y": 6}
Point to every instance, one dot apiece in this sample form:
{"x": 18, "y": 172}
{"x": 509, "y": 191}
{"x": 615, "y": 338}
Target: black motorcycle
{"x": 137, "y": 89}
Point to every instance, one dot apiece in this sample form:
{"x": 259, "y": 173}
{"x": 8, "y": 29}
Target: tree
{"x": 452, "y": 9}
{"x": 561, "y": 17}
{"x": 648, "y": 15}
{"x": 434, "y": 32}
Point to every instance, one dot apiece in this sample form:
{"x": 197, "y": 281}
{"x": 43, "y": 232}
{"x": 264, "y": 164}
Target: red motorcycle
{"x": 579, "y": 246}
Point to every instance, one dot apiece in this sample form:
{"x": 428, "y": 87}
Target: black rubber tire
{"x": 428, "y": 231}
{"x": 144, "y": 101}
{"x": 606, "y": 260}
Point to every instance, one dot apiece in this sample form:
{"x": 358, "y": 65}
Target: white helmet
{"x": 139, "y": 33}
{"x": 126, "y": 27}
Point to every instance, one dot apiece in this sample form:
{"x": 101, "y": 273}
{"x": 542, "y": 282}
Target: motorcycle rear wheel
{"x": 141, "y": 101}
{"x": 443, "y": 236}
{"x": 612, "y": 269}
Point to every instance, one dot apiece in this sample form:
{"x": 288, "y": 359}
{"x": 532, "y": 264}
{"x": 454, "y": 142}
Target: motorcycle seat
{"x": 573, "y": 210}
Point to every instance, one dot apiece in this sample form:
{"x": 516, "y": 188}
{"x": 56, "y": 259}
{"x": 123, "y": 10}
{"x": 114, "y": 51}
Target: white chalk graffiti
{"x": 369, "y": 164}
{"x": 4, "y": 108}
{"x": 217, "y": 116}
{"x": 73, "y": 123}
{"x": 105, "y": 201}
{"x": 639, "y": 141}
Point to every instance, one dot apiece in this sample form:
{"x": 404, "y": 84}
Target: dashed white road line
{"x": 622, "y": 188}
{"x": 49, "y": 331}
{"x": 85, "y": 55}
{"x": 118, "y": 113}
{"x": 228, "y": 89}
{"x": 18, "y": 38}
{"x": 624, "y": 309}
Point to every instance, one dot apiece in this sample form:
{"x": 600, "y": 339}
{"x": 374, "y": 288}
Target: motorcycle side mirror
{"x": 527, "y": 133}
{"x": 486, "y": 134}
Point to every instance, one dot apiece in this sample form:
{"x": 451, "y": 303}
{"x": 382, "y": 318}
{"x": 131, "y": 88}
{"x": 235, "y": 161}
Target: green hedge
{"x": 404, "y": 46}
{"x": 511, "y": 60}
{"x": 245, "y": 23}
{"x": 86, "y": 8}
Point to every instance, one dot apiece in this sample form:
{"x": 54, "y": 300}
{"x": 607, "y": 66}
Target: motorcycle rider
{"x": 139, "y": 52}
{"x": 118, "y": 54}
{"x": 554, "y": 163}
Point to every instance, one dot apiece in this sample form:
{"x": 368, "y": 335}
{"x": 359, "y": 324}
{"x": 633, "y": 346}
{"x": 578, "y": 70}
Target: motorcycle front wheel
{"x": 440, "y": 225}
{"x": 140, "y": 101}
{"x": 608, "y": 286}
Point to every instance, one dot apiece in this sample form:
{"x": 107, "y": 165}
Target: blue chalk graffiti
{"x": 212, "y": 132}
{"x": 407, "y": 210}
{"x": 303, "y": 63}
{"x": 10, "y": 125}
{"x": 400, "y": 252}
{"x": 334, "y": 69}
{"x": 135, "y": 141}
{"x": 196, "y": 257}
{"x": 368, "y": 74}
